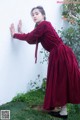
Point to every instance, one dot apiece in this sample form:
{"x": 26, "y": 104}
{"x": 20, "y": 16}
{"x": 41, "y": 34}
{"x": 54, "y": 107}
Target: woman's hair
{"x": 40, "y": 8}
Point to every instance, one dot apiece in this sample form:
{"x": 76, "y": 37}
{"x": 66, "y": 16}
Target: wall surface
{"x": 17, "y": 67}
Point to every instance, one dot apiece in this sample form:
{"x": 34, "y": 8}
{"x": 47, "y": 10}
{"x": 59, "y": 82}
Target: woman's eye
{"x": 32, "y": 15}
{"x": 36, "y": 13}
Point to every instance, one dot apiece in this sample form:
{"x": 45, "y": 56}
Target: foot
{"x": 56, "y": 109}
{"x": 39, "y": 108}
{"x": 57, "y": 114}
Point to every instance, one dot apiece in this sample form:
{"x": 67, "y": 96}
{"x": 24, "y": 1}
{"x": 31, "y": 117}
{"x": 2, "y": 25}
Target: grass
{"x": 21, "y": 107}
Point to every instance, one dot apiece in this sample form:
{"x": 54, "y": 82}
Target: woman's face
{"x": 37, "y": 16}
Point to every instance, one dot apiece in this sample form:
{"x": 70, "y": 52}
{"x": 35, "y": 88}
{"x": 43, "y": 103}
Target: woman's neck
{"x": 39, "y": 22}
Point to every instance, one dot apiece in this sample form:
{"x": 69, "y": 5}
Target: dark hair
{"x": 40, "y": 8}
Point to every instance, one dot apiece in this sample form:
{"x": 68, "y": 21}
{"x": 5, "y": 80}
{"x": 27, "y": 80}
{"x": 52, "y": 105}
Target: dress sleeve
{"x": 34, "y": 35}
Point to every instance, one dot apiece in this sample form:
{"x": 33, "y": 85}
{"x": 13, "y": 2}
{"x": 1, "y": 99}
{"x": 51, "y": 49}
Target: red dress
{"x": 63, "y": 76}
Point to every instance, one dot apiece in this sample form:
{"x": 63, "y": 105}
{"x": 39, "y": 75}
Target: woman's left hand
{"x": 12, "y": 29}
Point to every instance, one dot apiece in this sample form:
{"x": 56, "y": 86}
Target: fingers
{"x": 19, "y": 27}
{"x": 12, "y": 26}
{"x": 12, "y": 29}
{"x": 20, "y": 21}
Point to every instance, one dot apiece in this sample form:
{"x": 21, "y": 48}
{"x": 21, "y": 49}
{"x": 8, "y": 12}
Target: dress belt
{"x": 36, "y": 49}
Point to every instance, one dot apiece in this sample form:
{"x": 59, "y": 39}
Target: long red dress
{"x": 63, "y": 76}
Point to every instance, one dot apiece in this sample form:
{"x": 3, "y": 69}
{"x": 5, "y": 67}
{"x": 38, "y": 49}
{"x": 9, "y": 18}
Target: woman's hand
{"x": 20, "y": 26}
{"x": 12, "y": 29}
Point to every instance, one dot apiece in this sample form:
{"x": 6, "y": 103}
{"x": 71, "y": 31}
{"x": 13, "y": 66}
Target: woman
{"x": 63, "y": 76}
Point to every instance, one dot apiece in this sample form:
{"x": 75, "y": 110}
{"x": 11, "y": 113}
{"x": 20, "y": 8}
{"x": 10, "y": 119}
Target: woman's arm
{"x": 32, "y": 36}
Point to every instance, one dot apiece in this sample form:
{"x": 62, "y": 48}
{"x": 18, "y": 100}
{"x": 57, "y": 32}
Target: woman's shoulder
{"x": 45, "y": 24}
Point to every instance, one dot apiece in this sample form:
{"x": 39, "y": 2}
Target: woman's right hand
{"x": 20, "y": 26}
{"x": 12, "y": 29}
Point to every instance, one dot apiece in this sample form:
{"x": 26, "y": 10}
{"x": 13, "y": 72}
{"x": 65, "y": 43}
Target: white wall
{"x": 17, "y": 67}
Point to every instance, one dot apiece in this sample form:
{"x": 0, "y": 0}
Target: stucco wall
{"x": 17, "y": 65}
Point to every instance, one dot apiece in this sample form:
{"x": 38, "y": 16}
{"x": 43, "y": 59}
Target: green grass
{"x": 20, "y": 107}
{"x": 31, "y": 98}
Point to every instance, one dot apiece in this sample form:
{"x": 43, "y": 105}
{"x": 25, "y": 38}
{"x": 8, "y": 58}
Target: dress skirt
{"x": 63, "y": 78}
